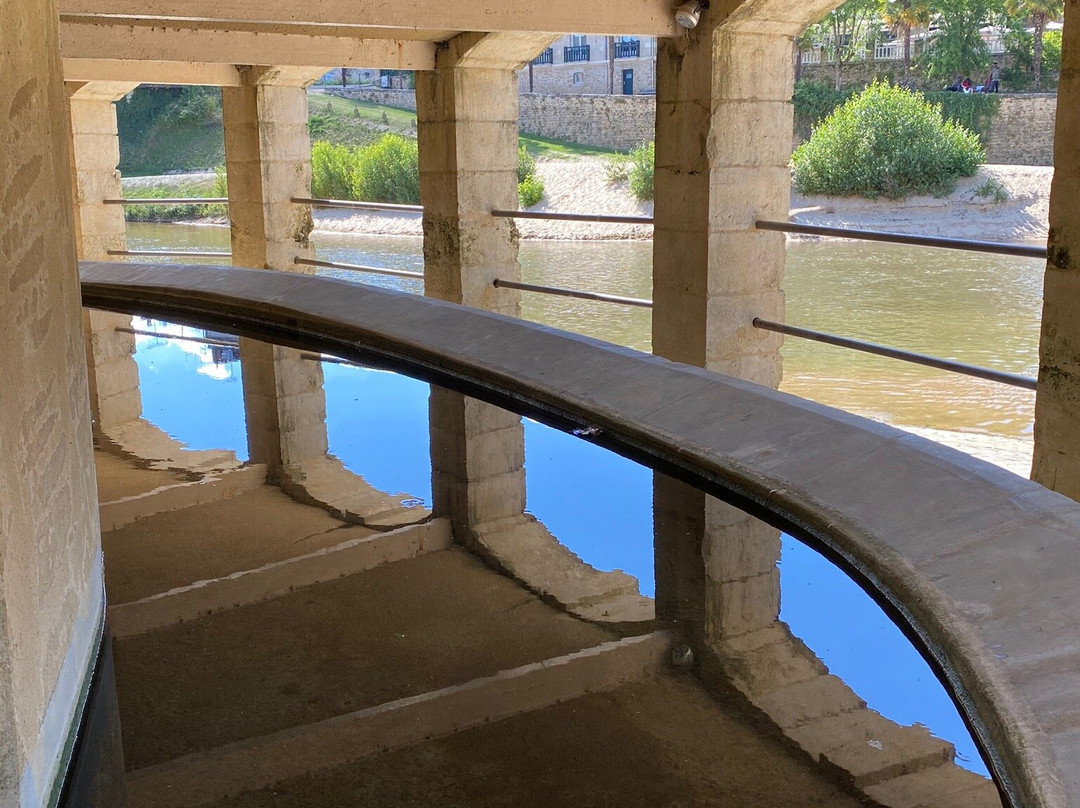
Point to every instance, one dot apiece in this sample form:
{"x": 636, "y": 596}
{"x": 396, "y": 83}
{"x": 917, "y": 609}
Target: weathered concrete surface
{"x": 202, "y": 778}
{"x": 978, "y": 562}
{"x": 354, "y": 554}
{"x": 50, "y": 566}
{"x": 1056, "y": 462}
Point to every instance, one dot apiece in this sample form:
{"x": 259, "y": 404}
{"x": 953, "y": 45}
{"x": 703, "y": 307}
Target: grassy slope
{"x": 169, "y": 146}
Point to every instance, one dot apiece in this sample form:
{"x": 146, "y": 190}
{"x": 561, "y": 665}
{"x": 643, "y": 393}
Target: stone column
{"x": 1057, "y": 428}
{"x": 95, "y": 151}
{"x": 50, "y": 574}
{"x": 467, "y": 131}
{"x": 723, "y": 141}
{"x": 268, "y": 162}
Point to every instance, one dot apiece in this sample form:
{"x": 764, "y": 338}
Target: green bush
{"x": 642, "y": 162}
{"x": 993, "y": 189}
{"x": 973, "y": 111}
{"x": 331, "y": 170}
{"x": 617, "y": 168}
{"x": 530, "y": 191}
{"x": 387, "y": 171}
{"x": 813, "y": 102}
{"x": 888, "y": 142}
{"x": 526, "y": 164}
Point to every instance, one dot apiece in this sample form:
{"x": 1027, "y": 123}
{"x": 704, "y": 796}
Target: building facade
{"x": 577, "y": 64}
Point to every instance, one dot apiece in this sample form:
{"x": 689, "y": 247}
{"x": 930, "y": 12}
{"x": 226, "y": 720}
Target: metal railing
{"x": 576, "y": 293}
{"x": 171, "y": 253}
{"x": 223, "y": 343}
{"x": 546, "y": 57}
{"x": 352, "y": 205}
{"x": 602, "y": 218}
{"x": 576, "y": 53}
{"x": 993, "y": 247}
{"x": 628, "y": 50}
{"x": 914, "y": 358}
{"x": 397, "y": 273}
{"x": 179, "y": 200}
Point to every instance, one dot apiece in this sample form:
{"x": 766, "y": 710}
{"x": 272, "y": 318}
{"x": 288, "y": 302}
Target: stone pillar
{"x": 467, "y": 131}
{"x": 1057, "y": 401}
{"x": 268, "y": 162}
{"x": 50, "y": 550}
{"x": 95, "y": 151}
{"x": 723, "y": 141}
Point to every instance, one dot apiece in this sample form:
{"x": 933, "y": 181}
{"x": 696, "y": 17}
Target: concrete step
{"x": 400, "y": 630}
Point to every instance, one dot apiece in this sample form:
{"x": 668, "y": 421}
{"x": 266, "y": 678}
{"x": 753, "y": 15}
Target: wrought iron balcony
{"x": 576, "y": 53}
{"x": 628, "y": 49}
{"x": 546, "y": 57}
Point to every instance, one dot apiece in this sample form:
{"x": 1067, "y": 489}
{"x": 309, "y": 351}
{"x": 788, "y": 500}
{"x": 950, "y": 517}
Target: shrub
{"x": 642, "y": 162}
{"x": 617, "y": 168}
{"x": 387, "y": 171}
{"x": 526, "y": 164}
{"x": 813, "y": 102}
{"x": 530, "y": 191}
{"x": 180, "y": 187}
{"x": 331, "y": 170}
{"x": 993, "y": 189}
{"x": 888, "y": 142}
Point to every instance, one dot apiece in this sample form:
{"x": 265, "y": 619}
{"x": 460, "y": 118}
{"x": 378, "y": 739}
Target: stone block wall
{"x": 1021, "y": 132}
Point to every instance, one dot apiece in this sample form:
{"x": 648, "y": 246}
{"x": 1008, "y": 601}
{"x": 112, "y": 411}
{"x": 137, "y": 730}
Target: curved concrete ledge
{"x": 978, "y": 565}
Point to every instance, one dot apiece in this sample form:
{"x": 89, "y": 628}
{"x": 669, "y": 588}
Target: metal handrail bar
{"x": 352, "y": 205}
{"x": 171, "y": 253}
{"x": 179, "y": 200}
{"x": 558, "y": 290}
{"x": 333, "y": 360}
{"x": 165, "y": 335}
{"x": 1026, "y": 382}
{"x": 996, "y": 248}
{"x": 397, "y": 273}
{"x": 602, "y": 218}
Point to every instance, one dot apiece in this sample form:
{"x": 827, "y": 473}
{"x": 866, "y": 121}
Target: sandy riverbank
{"x": 580, "y": 185}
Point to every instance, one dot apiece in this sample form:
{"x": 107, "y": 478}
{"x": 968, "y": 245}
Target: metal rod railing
{"x": 996, "y": 248}
{"x": 1013, "y": 379}
{"x": 397, "y": 273}
{"x": 350, "y": 204}
{"x": 180, "y": 200}
{"x": 333, "y": 360}
{"x": 165, "y": 335}
{"x": 561, "y": 292}
{"x": 602, "y": 218}
{"x": 171, "y": 253}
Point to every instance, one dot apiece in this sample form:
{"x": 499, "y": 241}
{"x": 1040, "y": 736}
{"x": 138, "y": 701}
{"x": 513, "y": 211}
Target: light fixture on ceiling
{"x": 688, "y": 14}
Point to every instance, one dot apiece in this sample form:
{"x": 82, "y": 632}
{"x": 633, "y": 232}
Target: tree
{"x": 957, "y": 48}
{"x": 903, "y": 15}
{"x": 847, "y": 30}
{"x": 1040, "y": 12}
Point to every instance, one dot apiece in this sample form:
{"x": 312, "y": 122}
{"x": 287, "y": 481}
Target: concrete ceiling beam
{"x": 641, "y": 17}
{"x": 85, "y": 39}
{"x": 138, "y": 71}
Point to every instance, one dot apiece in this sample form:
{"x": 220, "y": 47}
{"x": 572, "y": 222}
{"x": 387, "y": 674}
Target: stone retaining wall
{"x": 1021, "y": 132}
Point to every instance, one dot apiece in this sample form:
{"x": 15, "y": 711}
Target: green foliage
{"x": 388, "y": 171}
{"x": 385, "y": 171}
{"x": 813, "y": 102}
{"x": 958, "y": 49}
{"x": 642, "y": 163}
{"x": 181, "y": 187}
{"x": 331, "y": 170}
{"x": 847, "y": 31}
{"x": 167, "y": 129}
{"x": 887, "y": 142}
{"x": 993, "y": 189}
{"x": 526, "y": 164}
{"x": 617, "y": 168}
{"x": 530, "y": 191}
{"x": 973, "y": 111}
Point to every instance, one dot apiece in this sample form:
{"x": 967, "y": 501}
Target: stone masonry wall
{"x": 1021, "y": 132}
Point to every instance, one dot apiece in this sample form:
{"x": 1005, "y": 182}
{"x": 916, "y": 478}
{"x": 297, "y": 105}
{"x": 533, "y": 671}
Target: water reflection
{"x": 596, "y": 503}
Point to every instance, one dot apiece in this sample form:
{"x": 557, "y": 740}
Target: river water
{"x": 979, "y": 309}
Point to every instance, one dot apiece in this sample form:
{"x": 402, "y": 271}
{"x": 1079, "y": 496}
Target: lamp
{"x": 688, "y": 14}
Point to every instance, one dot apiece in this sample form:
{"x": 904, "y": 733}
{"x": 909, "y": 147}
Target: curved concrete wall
{"x": 976, "y": 563}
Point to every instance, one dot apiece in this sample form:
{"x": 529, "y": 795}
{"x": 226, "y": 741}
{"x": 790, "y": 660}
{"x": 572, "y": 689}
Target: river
{"x": 975, "y": 308}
